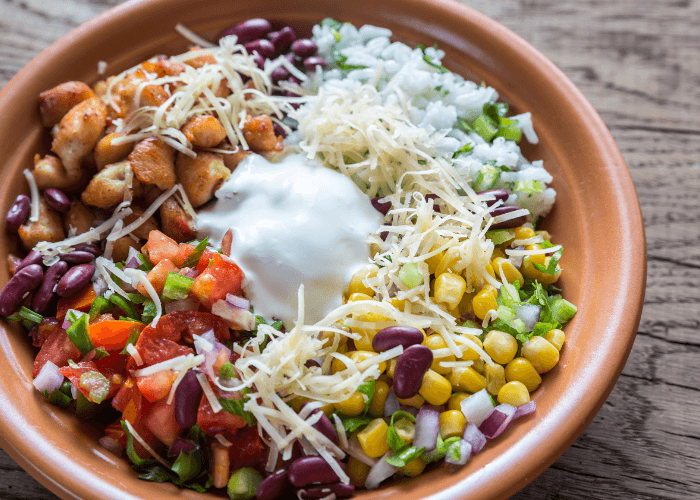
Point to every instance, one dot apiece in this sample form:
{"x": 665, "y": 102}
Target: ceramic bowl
{"x": 596, "y": 218}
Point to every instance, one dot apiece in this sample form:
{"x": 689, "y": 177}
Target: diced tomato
{"x": 58, "y": 349}
{"x": 218, "y": 423}
{"x": 93, "y": 385}
{"x": 161, "y": 422}
{"x": 81, "y": 302}
{"x": 220, "y": 278}
{"x": 154, "y": 351}
{"x": 42, "y": 331}
{"x": 157, "y": 385}
{"x": 158, "y": 275}
{"x": 159, "y": 247}
{"x": 147, "y": 436}
{"x": 126, "y": 393}
{"x": 185, "y": 250}
{"x": 247, "y": 450}
{"x": 116, "y": 432}
{"x": 184, "y": 324}
{"x": 112, "y": 335}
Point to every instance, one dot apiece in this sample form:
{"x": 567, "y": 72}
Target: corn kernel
{"x": 490, "y": 270}
{"x": 398, "y": 304}
{"x": 364, "y": 343}
{"x": 501, "y": 346}
{"x": 470, "y": 354}
{"x": 392, "y": 367}
{"x": 556, "y": 338}
{"x": 467, "y": 379}
{"x": 353, "y": 406}
{"x": 524, "y": 233}
{"x": 544, "y": 234}
{"x": 381, "y": 391}
{"x": 356, "y": 282}
{"x": 415, "y": 401}
{"x": 357, "y": 471}
{"x": 488, "y": 287}
{"x": 449, "y": 289}
{"x": 498, "y": 252}
{"x": 529, "y": 270}
{"x": 297, "y": 402}
{"x": 359, "y": 356}
{"x": 509, "y": 270}
{"x": 478, "y": 365}
{"x": 521, "y": 369}
{"x": 435, "y": 388}
{"x": 495, "y": 378}
{"x": 414, "y": 468}
{"x": 483, "y": 302}
{"x": 455, "y": 401}
{"x": 357, "y": 296}
{"x": 465, "y": 305}
{"x": 342, "y": 339}
{"x": 543, "y": 355}
{"x": 434, "y": 261}
{"x": 451, "y": 257}
{"x": 452, "y": 423}
{"x": 537, "y": 258}
{"x": 373, "y": 438}
{"x": 328, "y": 409}
{"x": 514, "y": 393}
{"x": 434, "y": 342}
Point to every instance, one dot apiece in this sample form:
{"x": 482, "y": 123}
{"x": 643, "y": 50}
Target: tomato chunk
{"x": 218, "y": 423}
{"x": 157, "y": 385}
{"x": 88, "y": 379}
{"x": 81, "y": 302}
{"x": 184, "y": 324}
{"x": 247, "y": 450}
{"x": 58, "y": 349}
{"x": 159, "y": 247}
{"x": 220, "y": 278}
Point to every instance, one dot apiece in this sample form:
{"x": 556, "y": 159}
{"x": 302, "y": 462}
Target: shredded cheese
{"x": 134, "y": 354}
{"x": 146, "y": 445}
{"x": 209, "y": 393}
{"x": 179, "y": 363}
{"x": 34, "y": 192}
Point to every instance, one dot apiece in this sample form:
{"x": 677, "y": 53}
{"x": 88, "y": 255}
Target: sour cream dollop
{"x": 293, "y": 222}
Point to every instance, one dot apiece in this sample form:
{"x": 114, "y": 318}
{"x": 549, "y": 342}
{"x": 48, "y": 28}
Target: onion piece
{"x": 132, "y": 259}
{"x": 525, "y": 409}
{"x": 237, "y": 302}
{"x": 474, "y": 437}
{"x": 181, "y": 305}
{"x": 497, "y": 421}
{"x": 355, "y": 450}
{"x": 392, "y": 404}
{"x": 110, "y": 444}
{"x": 237, "y": 318}
{"x": 465, "y": 452}
{"x": 48, "y": 379}
{"x": 477, "y": 407}
{"x": 517, "y": 260}
{"x": 379, "y": 472}
{"x": 427, "y": 428}
{"x": 66, "y": 324}
{"x": 529, "y": 314}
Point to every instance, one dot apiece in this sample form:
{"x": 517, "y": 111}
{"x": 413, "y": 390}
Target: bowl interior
{"x": 594, "y": 196}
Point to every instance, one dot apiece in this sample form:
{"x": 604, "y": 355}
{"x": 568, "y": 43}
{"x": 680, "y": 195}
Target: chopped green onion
{"x": 406, "y": 420}
{"x": 410, "y": 275}
{"x": 488, "y": 176}
{"x": 467, "y": 148}
{"x": 177, "y": 286}
{"x": 96, "y": 385}
{"x": 529, "y": 187}
{"x": 99, "y": 306}
{"x": 78, "y": 334}
{"x": 145, "y": 265}
{"x": 125, "y": 305}
{"x": 196, "y": 254}
{"x": 498, "y": 236}
{"x": 514, "y": 134}
{"x": 485, "y": 127}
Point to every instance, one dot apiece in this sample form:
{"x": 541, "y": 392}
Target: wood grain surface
{"x": 638, "y": 63}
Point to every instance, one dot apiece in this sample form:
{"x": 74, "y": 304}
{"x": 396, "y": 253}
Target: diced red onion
{"x": 409, "y": 409}
{"x": 110, "y": 444}
{"x": 465, "y": 452}
{"x": 100, "y": 286}
{"x": 427, "y": 428}
{"x": 530, "y": 314}
{"x": 474, "y": 437}
{"x": 237, "y": 302}
{"x": 66, "y": 324}
{"x": 517, "y": 260}
{"x": 210, "y": 356}
{"x": 525, "y": 409}
{"x": 192, "y": 273}
{"x": 380, "y": 471}
{"x": 497, "y": 421}
{"x": 477, "y": 407}
{"x": 355, "y": 450}
{"x": 48, "y": 379}
{"x": 237, "y": 318}
{"x": 180, "y": 445}
{"x": 391, "y": 405}
{"x": 181, "y": 305}
{"x": 132, "y": 259}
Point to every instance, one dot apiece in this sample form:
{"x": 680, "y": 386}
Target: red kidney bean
{"x": 308, "y": 470}
{"x": 282, "y": 39}
{"x": 33, "y": 257}
{"x": 43, "y": 296}
{"x": 304, "y": 47}
{"x": 78, "y": 257}
{"x": 382, "y": 207}
{"x": 279, "y": 130}
{"x": 310, "y": 63}
{"x": 272, "y": 486}
{"x": 57, "y": 200}
{"x": 186, "y": 401}
{"x": 411, "y": 365}
{"x": 324, "y": 426}
{"x": 294, "y": 79}
{"x": 259, "y": 61}
{"x": 248, "y": 30}
{"x": 279, "y": 73}
{"x": 508, "y": 224}
{"x": 500, "y": 194}
{"x": 75, "y": 280}
{"x": 88, "y": 247}
{"x": 18, "y": 213}
{"x": 310, "y": 363}
{"x": 392, "y": 336}
{"x": 261, "y": 46}
{"x": 24, "y": 280}
{"x": 340, "y": 490}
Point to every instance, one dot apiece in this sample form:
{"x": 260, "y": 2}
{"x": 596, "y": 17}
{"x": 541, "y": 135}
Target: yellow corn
{"x": 479, "y": 365}
{"x": 544, "y": 234}
{"x": 449, "y": 289}
{"x": 356, "y": 282}
{"x": 415, "y": 401}
{"x": 530, "y": 272}
{"x": 498, "y": 252}
{"x": 434, "y": 342}
{"x": 329, "y": 337}
{"x": 391, "y": 368}
{"x": 514, "y": 393}
{"x": 373, "y": 438}
{"x": 483, "y": 302}
{"x": 398, "y": 304}
{"x": 297, "y": 402}
{"x": 509, "y": 270}
{"x": 451, "y": 257}
{"x": 434, "y": 261}
{"x": 467, "y": 379}
{"x": 495, "y": 378}
{"x": 435, "y": 388}
{"x": 490, "y": 270}
{"x": 353, "y": 406}
{"x": 491, "y": 289}
{"x": 357, "y": 472}
{"x": 543, "y": 355}
{"x": 364, "y": 343}
{"x": 470, "y": 354}
{"x": 455, "y": 401}
{"x": 359, "y": 356}
{"x": 501, "y": 346}
{"x": 537, "y": 258}
{"x": 357, "y": 296}
{"x": 556, "y": 338}
{"x": 414, "y": 468}
{"x": 328, "y": 409}
{"x": 452, "y": 423}
{"x": 521, "y": 369}
{"x": 524, "y": 233}
{"x": 381, "y": 391}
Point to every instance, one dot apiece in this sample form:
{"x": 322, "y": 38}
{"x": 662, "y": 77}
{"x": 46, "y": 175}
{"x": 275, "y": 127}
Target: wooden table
{"x": 638, "y": 62}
